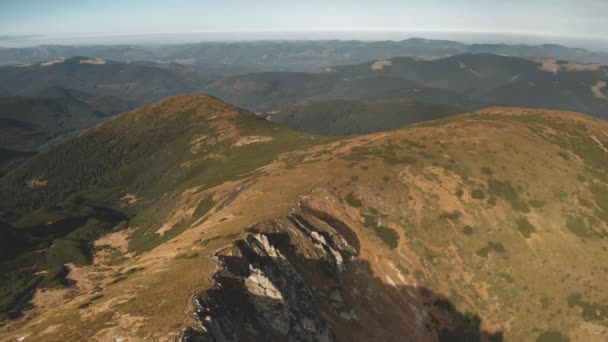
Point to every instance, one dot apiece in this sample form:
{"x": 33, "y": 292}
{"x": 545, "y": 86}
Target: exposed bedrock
{"x": 299, "y": 278}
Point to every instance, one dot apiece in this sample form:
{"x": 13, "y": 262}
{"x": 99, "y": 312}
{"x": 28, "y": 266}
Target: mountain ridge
{"x": 471, "y": 81}
{"x": 295, "y": 55}
{"x": 452, "y": 210}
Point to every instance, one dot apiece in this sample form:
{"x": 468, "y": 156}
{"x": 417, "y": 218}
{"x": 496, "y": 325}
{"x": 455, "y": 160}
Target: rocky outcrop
{"x": 262, "y": 291}
{"x": 298, "y": 278}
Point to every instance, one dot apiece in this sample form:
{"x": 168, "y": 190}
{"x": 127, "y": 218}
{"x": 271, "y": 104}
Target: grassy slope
{"x": 504, "y": 211}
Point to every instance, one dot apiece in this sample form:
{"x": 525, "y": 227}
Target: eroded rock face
{"x": 299, "y": 278}
{"x": 261, "y": 292}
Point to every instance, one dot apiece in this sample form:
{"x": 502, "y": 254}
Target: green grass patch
{"x": 55, "y": 277}
{"x": 146, "y": 238}
{"x": 525, "y": 227}
{"x": 590, "y": 311}
{"x": 387, "y": 235}
{"x": 353, "y": 201}
{"x": 16, "y": 292}
{"x": 490, "y": 247}
{"x": 478, "y": 194}
{"x": 552, "y": 336}
{"x": 64, "y": 251}
{"x": 468, "y": 230}
{"x": 487, "y": 171}
{"x": 579, "y": 227}
{"x": 507, "y": 192}
{"x": 600, "y": 193}
{"x": 459, "y": 192}
{"x": 204, "y": 206}
{"x": 536, "y": 204}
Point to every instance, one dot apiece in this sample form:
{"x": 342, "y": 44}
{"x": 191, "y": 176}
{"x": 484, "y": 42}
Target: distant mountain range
{"x": 139, "y": 83}
{"x": 469, "y": 80}
{"x": 292, "y": 55}
{"x": 29, "y": 122}
{"x": 45, "y": 102}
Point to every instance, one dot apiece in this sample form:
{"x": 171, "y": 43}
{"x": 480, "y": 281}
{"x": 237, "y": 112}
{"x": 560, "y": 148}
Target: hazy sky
{"x": 580, "y": 18}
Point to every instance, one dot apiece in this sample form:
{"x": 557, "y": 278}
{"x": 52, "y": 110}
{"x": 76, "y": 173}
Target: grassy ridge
{"x": 462, "y": 206}
{"x": 152, "y": 152}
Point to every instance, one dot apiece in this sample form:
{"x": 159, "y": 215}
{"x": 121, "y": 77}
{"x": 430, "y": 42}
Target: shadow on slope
{"x": 35, "y": 250}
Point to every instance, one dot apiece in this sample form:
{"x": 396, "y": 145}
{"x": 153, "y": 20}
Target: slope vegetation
{"x": 341, "y": 117}
{"x": 62, "y": 200}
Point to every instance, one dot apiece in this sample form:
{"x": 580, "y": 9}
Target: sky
{"x": 284, "y": 18}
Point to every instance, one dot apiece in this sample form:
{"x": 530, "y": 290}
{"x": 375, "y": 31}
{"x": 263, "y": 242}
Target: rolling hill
{"x": 341, "y": 117}
{"x": 48, "y": 117}
{"x": 28, "y": 123}
{"x": 194, "y": 220}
